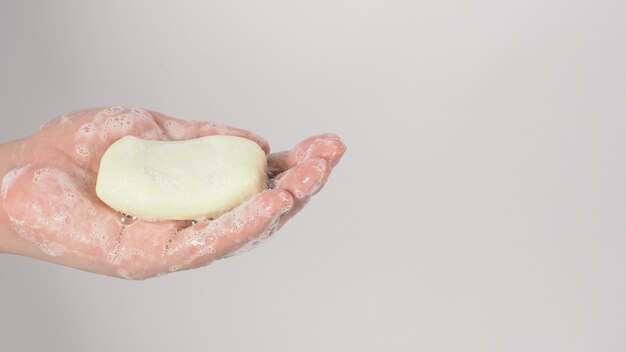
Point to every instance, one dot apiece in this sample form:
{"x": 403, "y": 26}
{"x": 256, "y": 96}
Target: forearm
{"x": 9, "y": 159}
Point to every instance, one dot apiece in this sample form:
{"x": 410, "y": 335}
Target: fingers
{"x": 304, "y": 179}
{"x": 207, "y": 241}
{"x": 308, "y": 168}
{"x": 302, "y": 182}
{"x": 327, "y": 146}
{"x": 178, "y": 129}
{"x": 305, "y": 169}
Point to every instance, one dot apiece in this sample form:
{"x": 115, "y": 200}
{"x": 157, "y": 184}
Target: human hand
{"x": 51, "y": 202}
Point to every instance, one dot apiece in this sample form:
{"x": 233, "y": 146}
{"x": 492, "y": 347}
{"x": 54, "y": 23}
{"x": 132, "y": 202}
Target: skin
{"x": 49, "y": 209}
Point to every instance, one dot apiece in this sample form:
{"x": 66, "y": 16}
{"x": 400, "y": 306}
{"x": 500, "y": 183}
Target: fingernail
{"x": 339, "y": 150}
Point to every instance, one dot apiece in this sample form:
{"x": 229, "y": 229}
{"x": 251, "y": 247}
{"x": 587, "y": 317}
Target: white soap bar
{"x": 180, "y": 180}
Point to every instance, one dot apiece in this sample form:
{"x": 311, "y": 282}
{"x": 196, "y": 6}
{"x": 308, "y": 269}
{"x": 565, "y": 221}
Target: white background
{"x": 480, "y": 206}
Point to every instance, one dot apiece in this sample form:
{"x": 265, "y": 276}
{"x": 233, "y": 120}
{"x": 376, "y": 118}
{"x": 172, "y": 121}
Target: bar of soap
{"x": 180, "y": 180}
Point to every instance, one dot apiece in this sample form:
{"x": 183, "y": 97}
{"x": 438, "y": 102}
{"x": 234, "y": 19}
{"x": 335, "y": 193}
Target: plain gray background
{"x": 481, "y": 205}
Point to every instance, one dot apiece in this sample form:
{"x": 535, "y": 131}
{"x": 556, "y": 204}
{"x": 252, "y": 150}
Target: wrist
{"x": 9, "y": 159}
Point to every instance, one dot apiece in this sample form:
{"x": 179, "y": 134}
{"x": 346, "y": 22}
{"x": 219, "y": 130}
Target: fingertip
{"x": 329, "y": 149}
{"x": 337, "y": 150}
{"x": 329, "y": 136}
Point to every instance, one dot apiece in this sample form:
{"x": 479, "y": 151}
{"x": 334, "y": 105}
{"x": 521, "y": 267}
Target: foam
{"x": 174, "y": 268}
{"x": 113, "y": 110}
{"x": 195, "y": 241}
{"x": 9, "y": 179}
{"x": 202, "y": 239}
{"x": 238, "y": 224}
{"x": 126, "y": 253}
{"x": 175, "y": 129}
{"x": 87, "y": 130}
{"x": 230, "y": 224}
{"x": 255, "y": 241}
{"x": 119, "y": 123}
{"x": 98, "y": 232}
{"x": 46, "y": 219}
{"x": 321, "y": 166}
{"x": 59, "y": 218}
{"x": 81, "y": 237}
{"x": 284, "y": 197}
{"x": 39, "y": 174}
{"x": 51, "y": 249}
{"x": 53, "y": 174}
{"x": 82, "y": 150}
{"x": 126, "y": 220}
{"x": 50, "y": 214}
{"x": 140, "y": 114}
{"x": 210, "y": 128}
{"x": 152, "y": 134}
{"x": 124, "y": 274}
{"x": 208, "y": 249}
{"x": 113, "y": 256}
{"x": 300, "y": 155}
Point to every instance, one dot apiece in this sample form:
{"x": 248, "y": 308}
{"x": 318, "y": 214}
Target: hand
{"x": 51, "y": 202}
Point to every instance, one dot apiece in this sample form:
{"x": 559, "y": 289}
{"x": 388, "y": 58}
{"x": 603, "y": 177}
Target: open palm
{"x": 51, "y": 201}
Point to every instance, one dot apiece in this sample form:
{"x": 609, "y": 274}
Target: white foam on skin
{"x": 49, "y": 248}
{"x": 120, "y": 121}
{"x": 214, "y": 128}
{"x": 229, "y": 224}
{"x": 176, "y": 129}
{"x": 124, "y": 274}
{"x": 87, "y": 130}
{"x": 174, "y": 268}
{"x": 9, "y": 179}
{"x": 203, "y": 240}
{"x": 114, "y": 110}
{"x": 118, "y": 124}
{"x": 46, "y": 220}
{"x": 82, "y": 150}
{"x": 255, "y": 241}
{"x": 152, "y": 134}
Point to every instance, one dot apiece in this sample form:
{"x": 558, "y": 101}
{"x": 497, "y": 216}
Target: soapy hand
{"x": 50, "y": 197}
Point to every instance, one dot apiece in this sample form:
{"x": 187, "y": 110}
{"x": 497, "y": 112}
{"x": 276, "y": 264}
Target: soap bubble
{"x": 126, "y": 219}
